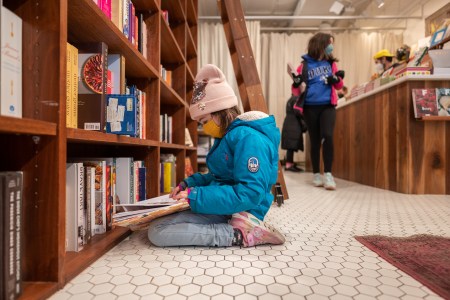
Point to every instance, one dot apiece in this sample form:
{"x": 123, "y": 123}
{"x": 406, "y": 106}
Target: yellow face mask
{"x": 212, "y": 129}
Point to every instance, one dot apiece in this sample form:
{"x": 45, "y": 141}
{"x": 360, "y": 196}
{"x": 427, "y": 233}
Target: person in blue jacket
{"x": 229, "y": 203}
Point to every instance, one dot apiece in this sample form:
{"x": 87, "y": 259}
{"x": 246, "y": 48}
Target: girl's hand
{"x": 181, "y": 195}
{"x": 174, "y": 192}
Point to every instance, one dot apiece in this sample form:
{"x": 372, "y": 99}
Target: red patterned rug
{"x": 424, "y": 257}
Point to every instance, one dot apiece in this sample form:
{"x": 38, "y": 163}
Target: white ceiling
{"x": 367, "y": 8}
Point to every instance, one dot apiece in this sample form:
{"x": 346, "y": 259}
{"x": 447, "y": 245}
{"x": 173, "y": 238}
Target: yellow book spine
{"x": 167, "y": 177}
{"x": 75, "y": 88}
{"x": 68, "y": 86}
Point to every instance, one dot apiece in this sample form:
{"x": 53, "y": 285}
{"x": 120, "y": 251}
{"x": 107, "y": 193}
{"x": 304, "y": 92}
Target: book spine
{"x": 9, "y": 237}
{"x": 74, "y": 81}
{"x": 126, "y": 15}
{"x": 19, "y": 191}
{"x": 11, "y": 64}
{"x": 104, "y": 85}
{"x": 108, "y": 203}
{"x": 103, "y": 206}
{"x": 89, "y": 183}
{"x": 142, "y": 183}
{"x": 80, "y": 206}
{"x": 69, "y": 58}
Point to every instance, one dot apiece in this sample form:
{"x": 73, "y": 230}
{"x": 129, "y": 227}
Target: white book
{"x": 11, "y": 64}
{"x": 124, "y": 179}
{"x": 73, "y": 186}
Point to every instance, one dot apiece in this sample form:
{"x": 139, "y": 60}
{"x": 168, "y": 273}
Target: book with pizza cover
{"x": 443, "y": 101}
{"x": 92, "y": 86}
{"x": 424, "y": 102}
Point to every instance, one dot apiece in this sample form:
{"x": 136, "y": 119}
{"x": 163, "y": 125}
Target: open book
{"x": 138, "y": 215}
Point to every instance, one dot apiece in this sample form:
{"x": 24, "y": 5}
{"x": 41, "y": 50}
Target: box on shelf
{"x": 441, "y": 61}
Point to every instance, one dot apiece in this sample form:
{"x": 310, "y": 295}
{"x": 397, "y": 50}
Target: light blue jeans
{"x": 191, "y": 229}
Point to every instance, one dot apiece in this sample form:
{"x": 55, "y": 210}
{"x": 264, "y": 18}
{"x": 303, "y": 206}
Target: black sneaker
{"x": 293, "y": 168}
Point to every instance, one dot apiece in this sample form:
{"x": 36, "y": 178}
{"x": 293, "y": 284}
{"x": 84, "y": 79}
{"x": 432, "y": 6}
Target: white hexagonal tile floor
{"x": 320, "y": 259}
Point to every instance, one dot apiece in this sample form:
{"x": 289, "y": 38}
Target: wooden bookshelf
{"x": 435, "y": 118}
{"x": 39, "y": 144}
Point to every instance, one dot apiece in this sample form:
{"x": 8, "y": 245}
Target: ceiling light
{"x": 380, "y": 3}
{"x": 337, "y": 7}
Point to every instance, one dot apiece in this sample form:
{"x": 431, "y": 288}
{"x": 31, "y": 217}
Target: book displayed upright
{"x": 121, "y": 115}
{"x": 424, "y": 102}
{"x": 92, "y": 86}
{"x": 443, "y": 101}
{"x": 11, "y": 64}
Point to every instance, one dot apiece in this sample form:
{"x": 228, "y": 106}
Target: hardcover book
{"x": 443, "y": 101}
{"x": 92, "y": 86}
{"x": 116, "y": 64}
{"x": 121, "y": 115}
{"x": 11, "y": 64}
{"x": 74, "y": 207}
{"x": 424, "y": 102}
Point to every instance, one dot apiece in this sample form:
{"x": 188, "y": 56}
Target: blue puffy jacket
{"x": 243, "y": 166}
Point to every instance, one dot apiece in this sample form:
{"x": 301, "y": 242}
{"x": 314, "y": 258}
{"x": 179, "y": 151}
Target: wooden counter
{"x": 378, "y": 142}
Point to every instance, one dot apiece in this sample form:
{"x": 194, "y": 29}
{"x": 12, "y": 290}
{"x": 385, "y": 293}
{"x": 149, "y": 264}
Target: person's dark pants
{"x": 290, "y": 156}
{"x": 320, "y": 120}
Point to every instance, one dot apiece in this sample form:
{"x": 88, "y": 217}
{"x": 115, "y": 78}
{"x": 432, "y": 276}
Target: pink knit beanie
{"x": 212, "y": 93}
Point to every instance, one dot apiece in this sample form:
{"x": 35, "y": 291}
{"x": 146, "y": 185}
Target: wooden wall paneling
{"x": 339, "y": 146}
{"x": 398, "y": 94}
{"x": 434, "y": 158}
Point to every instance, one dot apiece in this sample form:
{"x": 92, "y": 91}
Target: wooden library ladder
{"x": 242, "y": 57}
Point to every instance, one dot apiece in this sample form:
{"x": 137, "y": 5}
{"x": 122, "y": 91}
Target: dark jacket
{"x": 293, "y": 128}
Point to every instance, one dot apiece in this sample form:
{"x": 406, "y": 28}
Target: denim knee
{"x": 155, "y": 236}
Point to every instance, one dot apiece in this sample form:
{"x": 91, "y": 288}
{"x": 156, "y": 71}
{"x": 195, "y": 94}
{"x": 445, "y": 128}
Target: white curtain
{"x": 213, "y": 49}
{"x": 272, "y": 52}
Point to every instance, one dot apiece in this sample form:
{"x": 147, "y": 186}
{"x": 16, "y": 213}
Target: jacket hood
{"x": 308, "y": 58}
{"x": 261, "y": 122}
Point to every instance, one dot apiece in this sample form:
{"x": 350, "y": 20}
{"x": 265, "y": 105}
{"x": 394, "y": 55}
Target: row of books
{"x": 97, "y": 95}
{"x": 431, "y": 102}
{"x": 11, "y": 186}
{"x": 95, "y": 190}
{"x": 131, "y": 23}
{"x": 165, "y": 128}
{"x": 11, "y": 64}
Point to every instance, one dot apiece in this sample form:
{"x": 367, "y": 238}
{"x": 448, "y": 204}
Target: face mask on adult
{"x": 329, "y": 49}
{"x": 212, "y": 129}
{"x": 379, "y": 68}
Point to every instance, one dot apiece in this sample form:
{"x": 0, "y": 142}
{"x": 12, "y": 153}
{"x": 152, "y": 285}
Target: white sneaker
{"x": 317, "y": 181}
{"x": 329, "y": 183}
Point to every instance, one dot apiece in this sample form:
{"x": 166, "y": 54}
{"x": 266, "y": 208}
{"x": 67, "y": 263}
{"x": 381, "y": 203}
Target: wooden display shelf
{"x": 81, "y": 30}
{"x": 191, "y": 49}
{"x": 171, "y": 146}
{"x": 146, "y": 5}
{"x": 176, "y": 12}
{"x": 37, "y": 290}
{"x": 170, "y": 50}
{"x": 87, "y": 136}
{"x": 191, "y": 14}
{"x": 169, "y": 95}
{"x": 434, "y": 118}
{"x": 76, "y": 262}
{"x": 26, "y": 126}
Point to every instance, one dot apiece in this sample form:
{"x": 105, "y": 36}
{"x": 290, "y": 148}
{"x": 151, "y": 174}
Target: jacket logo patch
{"x": 253, "y": 164}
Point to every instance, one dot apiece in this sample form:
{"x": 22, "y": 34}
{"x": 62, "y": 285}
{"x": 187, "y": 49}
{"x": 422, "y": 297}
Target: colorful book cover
{"x": 99, "y": 225}
{"x": 89, "y": 198}
{"x": 126, "y": 18}
{"x": 443, "y": 101}
{"x": 108, "y": 198}
{"x": 69, "y": 59}
{"x": 106, "y": 8}
{"x": 74, "y": 85}
{"x": 92, "y": 86}
{"x": 121, "y": 114}
{"x": 424, "y": 102}
{"x": 11, "y": 64}
{"x": 73, "y": 218}
{"x": 116, "y": 64}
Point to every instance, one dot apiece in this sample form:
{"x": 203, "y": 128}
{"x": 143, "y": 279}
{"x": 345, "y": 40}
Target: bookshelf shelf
{"x": 86, "y": 136}
{"x": 78, "y": 261}
{"x": 176, "y": 12}
{"x": 170, "y": 50}
{"x": 435, "y": 118}
{"x": 40, "y": 145}
{"x": 146, "y": 5}
{"x": 38, "y": 290}
{"x": 26, "y": 126}
{"x": 82, "y": 12}
{"x": 169, "y": 95}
